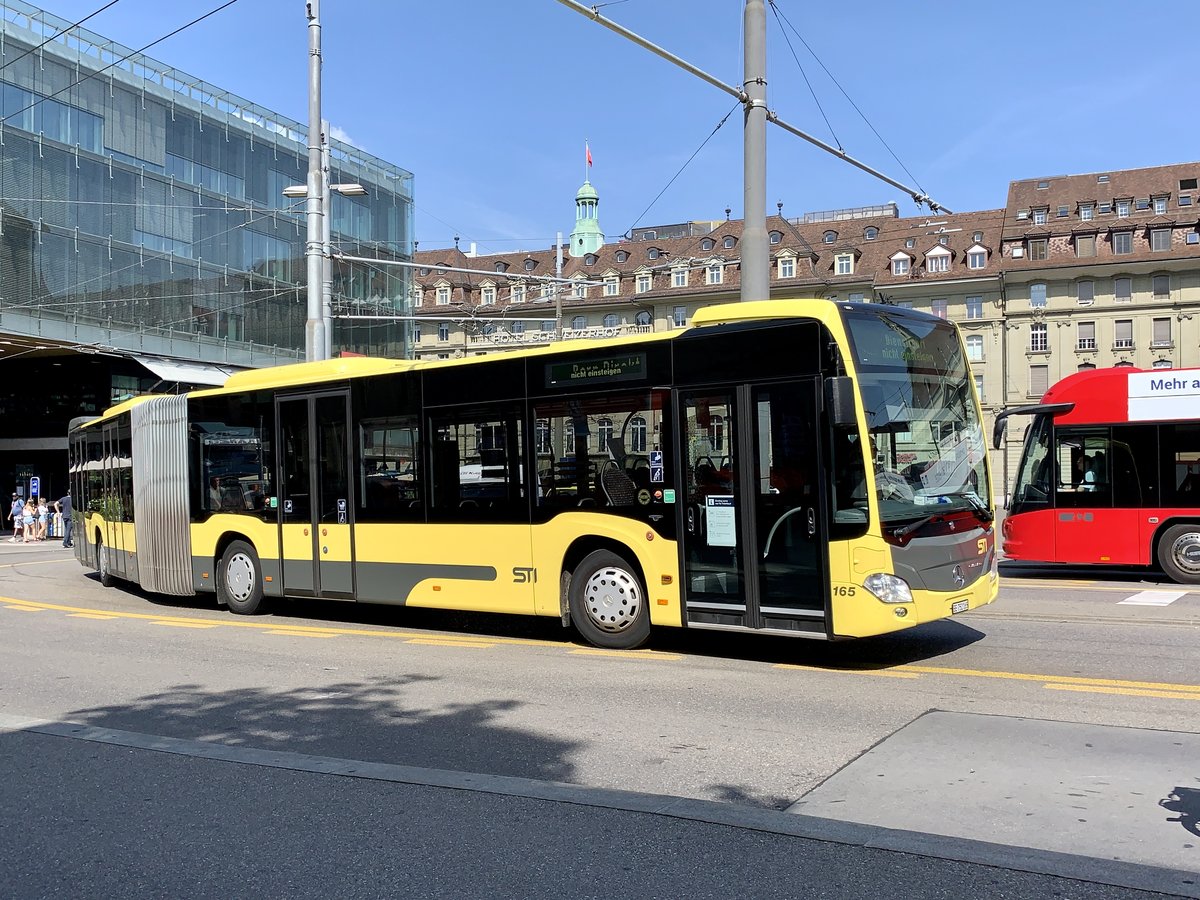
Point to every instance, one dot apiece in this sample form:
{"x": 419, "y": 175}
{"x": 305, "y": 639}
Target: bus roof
{"x": 1126, "y": 394}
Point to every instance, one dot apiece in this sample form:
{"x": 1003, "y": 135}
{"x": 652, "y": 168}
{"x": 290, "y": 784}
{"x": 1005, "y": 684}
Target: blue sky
{"x": 488, "y": 102}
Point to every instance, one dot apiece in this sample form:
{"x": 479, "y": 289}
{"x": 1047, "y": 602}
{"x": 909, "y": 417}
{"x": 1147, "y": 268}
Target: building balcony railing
{"x": 1166, "y": 344}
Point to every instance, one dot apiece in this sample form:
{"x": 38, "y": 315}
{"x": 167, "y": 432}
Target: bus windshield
{"x": 926, "y": 437}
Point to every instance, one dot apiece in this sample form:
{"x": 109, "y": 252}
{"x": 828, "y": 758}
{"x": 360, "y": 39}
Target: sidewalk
{"x": 100, "y": 812}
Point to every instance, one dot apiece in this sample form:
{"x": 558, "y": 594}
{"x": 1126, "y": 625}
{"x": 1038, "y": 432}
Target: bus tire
{"x": 239, "y": 580}
{"x": 608, "y": 602}
{"x": 106, "y": 577}
{"x": 1179, "y": 553}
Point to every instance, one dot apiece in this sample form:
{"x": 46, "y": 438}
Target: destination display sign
{"x": 1163, "y": 394}
{"x": 625, "y": 367}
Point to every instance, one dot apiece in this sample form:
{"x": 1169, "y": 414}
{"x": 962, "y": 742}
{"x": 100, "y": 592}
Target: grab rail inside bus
{"x": 1033, "y": 409}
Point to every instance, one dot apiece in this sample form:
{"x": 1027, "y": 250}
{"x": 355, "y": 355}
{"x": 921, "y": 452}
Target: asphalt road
{"x": 755, "y": 723}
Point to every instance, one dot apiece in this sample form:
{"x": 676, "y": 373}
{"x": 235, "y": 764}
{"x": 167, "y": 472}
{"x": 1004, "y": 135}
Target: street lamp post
{"x": 314, "y": 325}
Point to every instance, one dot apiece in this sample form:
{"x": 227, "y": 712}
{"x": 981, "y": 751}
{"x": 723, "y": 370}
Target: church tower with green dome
{"x": 587, "y": 236}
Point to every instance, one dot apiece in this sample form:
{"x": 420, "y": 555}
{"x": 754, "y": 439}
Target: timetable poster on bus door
{"x": 722, "y": 523}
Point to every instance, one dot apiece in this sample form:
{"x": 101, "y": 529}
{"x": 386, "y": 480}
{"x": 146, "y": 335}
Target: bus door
{"x": 114, "y": 534}
{"x": 752, "y": 534}
{"x": 316, "y": 506}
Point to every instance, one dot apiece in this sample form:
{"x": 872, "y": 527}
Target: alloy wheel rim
{"x": 612, "y": 599}
{"x": 239, "y": 577}
{"x": 1185, "y": 551}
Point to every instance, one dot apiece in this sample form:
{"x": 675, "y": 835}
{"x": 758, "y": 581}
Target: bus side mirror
{"x": 839, "y": 401}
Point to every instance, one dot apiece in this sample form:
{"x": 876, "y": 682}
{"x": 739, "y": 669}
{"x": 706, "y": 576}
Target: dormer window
{"x": 612, "y": 285}
{"x": 901, "y": 263}
{"x": 844, "y": 264}
{"x": 1160, "y": 206}
{"x": 943, "y": 240}
{"x": 1122, "y": 209}
{"x": 729, "y": 242}
{"x": 977, "y": 237}
{"x": 714, "y": 274}
{"x": 1142, "y": 203}
{"x": 529, "y": 265}
{"x": 501, "y": 267}
{"x": 776, "y": 237}
{"x": 581, "y": 290}
{"x": 518, "y": 294}
{"x": 977, "y": 257}
{"x": 487, "y": 295}
{"x": 910, "y": 243}
{"x": 1039, "y": 216}
{"x": 1086, "y": 212}
{"x": 590, "y": 259}
{"x": 937, "y": 260}
{"x": 652, "y": 253}
{"x": 644, "y": 282}
{"x": 707, "y": 244}
{"x": 443, "y": 295}
{"x": 829, "y": 237}
{"x": 870, "y": 232}
{"x": 622, "y": 256}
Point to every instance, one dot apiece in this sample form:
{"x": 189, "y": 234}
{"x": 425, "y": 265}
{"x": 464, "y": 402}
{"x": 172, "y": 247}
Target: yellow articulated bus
{"x": 806, "y": 468}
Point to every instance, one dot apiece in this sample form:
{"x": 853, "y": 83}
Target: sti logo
{"x": 524, "y": 575}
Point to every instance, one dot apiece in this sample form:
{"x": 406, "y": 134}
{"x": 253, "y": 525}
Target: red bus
{"x": 1110, "y": 472}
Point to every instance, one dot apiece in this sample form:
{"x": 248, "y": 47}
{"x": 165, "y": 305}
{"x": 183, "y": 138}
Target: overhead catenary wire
{"x": 59, "y": 34}
{"x": 811, "y": 90}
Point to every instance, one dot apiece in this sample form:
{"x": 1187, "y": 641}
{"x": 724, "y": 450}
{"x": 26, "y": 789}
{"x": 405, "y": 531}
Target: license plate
{"x": 959, "y": 606}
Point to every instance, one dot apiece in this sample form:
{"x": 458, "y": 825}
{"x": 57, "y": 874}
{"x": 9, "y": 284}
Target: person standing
{"x": 14, "y": 516}
{"x": 28, "y": 518}
{"x": 64, "y": 508}
{"x": 43, "y": 518}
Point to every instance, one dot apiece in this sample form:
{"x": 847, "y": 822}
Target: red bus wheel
{"x": 1179, "y": 553}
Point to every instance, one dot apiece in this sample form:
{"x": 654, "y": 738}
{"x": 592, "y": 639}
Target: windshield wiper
{"x": 913, "y": 526}
{"x": 972, "y": 498}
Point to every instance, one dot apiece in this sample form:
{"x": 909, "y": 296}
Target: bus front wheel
{"x": 1179, "y": 553}
{"x": 239, "y": 579}
{"x": 608, "y": 602}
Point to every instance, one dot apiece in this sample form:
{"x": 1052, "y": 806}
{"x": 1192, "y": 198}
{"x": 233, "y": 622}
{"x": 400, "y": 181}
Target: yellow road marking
{"x": 439, "y": 642}
{"x": 89, "y": 616}
{"x": 1169, "y": 695}
{"x": 878, "y": 673}
{"x": 23, "y": 608}
{"x": 391, "y": 633}
{"x": 180, "y": 624}
{"x": 1057, "y": 679}
{"x": 292, "y": 632}
{"x": 627, "y": 654}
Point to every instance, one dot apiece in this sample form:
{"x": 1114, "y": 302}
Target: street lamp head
{"x": 353, "y": 189}
{"x": 295, "y": 191}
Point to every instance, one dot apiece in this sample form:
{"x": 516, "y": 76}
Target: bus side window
{"x": 1180, "y": 465}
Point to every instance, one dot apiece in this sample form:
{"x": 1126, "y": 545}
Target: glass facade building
{"x": 135, "y": 198}
{"x": 144, "y": 236}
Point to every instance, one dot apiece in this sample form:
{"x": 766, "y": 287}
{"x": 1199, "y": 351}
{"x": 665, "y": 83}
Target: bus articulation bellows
{"x": 802, "y": 468}
{"x": 1110, "y": 472}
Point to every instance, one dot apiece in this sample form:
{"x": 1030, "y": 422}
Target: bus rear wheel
{"x": 106, "y": 578}
{"x": 608, "y": 602}
{"x": 239, "y": 579}
{"x": 1179, "y": 553}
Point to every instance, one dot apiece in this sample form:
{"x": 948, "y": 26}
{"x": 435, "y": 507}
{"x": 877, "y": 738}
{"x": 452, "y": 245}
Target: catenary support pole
{"x": 314, "y": 325}
{"x": 755, "y": 251}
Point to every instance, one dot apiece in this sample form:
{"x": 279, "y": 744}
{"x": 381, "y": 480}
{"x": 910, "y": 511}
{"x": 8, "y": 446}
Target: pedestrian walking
{"x": 43, "y": 518}
{"x": 64, "y": 509}
{"x": 14, "y": 516}
{"x": 28, "y": 522}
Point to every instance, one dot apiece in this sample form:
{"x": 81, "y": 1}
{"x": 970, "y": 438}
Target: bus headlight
{"x": 888, "y": 588}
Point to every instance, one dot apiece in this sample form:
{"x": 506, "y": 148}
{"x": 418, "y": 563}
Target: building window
{"x": 643, "y": 283}
{"x": 604, "y": 434}
{"x": 1162, "y": 286}
{"x": 416, "y": 333}
{"x": 578, "y": 323}
{"x": 910, "y": 243}
{"x": 549, "y": 326}
{"x": 1039, "y": 380}
{"x": 1160, "y": 239}
{"x": 487, "y": 296}
{"x": 855, "y": 297}
{"x": 1123, "y": 334}
{"x": 610, "y": 320}
{"x": 547, "y": 291}
{"x": 1086, "y": 366}
{"x": 622, "y": 256}
{"x": 716, "y": 434}
{"x": 679, "y": 316}
{"x": 1185, "y": 199}
{"x": 974, "y": 307}
{"x": 612, "y": 285}
{"x": 871, "y": 232}
{"x": 729, "y": 242}
{"x": 581, "y": 291}
{"x": 517, "y": 328}
{"x": 1085, "y": 245}
{"x": 1161, "y": 336}
{"x": 443, "y": 332}
{"x": 979, "y": 387}
{"x": 1086, "y": 336}
{"x": 1085, "y": 292}
{"x": 975, "y": 347}
{"x": 1193, "y": 237}
{"x": 939, "y": 263}
{"x": 1122, "y": 242}
{"x": 787, "y": 267}
{"x": 829, "y": 237}
{"x": 1086, "y": 212}
{"x": 518, "y": 294}
{"x": 637, "y": 434}
{"x": 679, "y": 277}
{"x": 1037, "y": 294}
{"x": 845, "y": 264}
{"x": 776, "y": 237}
{"x": 1142, "y": 203}
{"x": 1037, "y": 337}
{"x": 642, "y": 318}
{"x": 707, "y": 244}
{"x": 1122, "y": 209}
{"x": 714, "y": 274}
{"x": 1039, "y": 217}
{"x": 590, "y": 259}
{"x": 1123, "y": 289}
{"x": 1160, "y": 206}
{"x": 652, "y": 253}
{"x": 938, "y": 308}
{"x": 900, "y": 266}
{"x": 976, "y": 259}
{"x": 443, "y": 296}
{"x": 1062, "y": 212}
{"x": 1037, "y": 248}
{"x": 1161, "y": 364}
